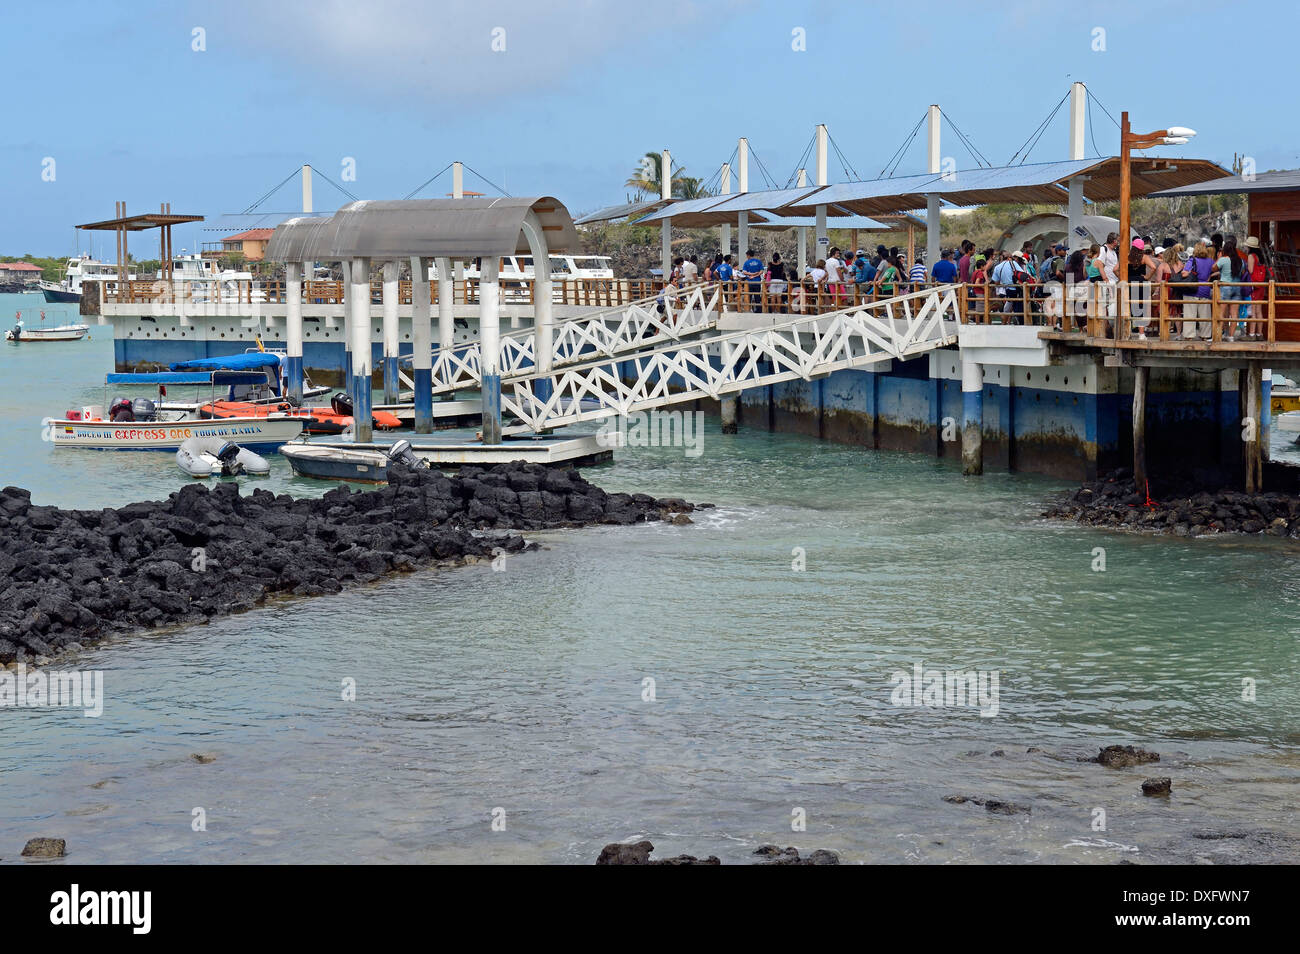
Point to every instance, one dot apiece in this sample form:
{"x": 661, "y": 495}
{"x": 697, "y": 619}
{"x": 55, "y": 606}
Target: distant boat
{"x": 19, "y": 333}
{"x": 77, "y": 272}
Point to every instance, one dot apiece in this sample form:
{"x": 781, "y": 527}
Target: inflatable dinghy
{"x": 217, "y": 457}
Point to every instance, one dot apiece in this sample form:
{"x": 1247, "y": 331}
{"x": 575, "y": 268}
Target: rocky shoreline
{"x": 71, "y": 577}
{"x": 1114, "y": 502}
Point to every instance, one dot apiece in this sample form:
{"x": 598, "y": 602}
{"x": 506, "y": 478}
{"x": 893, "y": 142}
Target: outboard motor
{"x": 341, "y": 403}
{"x": 401, "y": 453}
{"x": 143, "y": 409}
{"x": 120, "y": 410}
{"x": 229, "y": 457}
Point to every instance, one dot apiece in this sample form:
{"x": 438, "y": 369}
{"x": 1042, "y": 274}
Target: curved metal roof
{"x": 300, "y": 239}
{"x": 398, "y": 228}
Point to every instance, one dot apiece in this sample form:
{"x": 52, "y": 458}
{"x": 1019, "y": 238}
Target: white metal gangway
{"x": 803, "y": 348}
{"x": 604, "y": 333}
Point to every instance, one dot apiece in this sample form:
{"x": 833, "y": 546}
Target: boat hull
{"x": 324, "y": 463}
{"x": 63, "y": 333}
{"x": 61, "y": 297}
{"x": 260, "y": 435}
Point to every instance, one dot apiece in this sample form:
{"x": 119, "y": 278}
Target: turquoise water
{"x": 523, "y": 689}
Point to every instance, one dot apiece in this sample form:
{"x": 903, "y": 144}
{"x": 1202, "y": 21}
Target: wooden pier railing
{"x": 1138, "y": 314}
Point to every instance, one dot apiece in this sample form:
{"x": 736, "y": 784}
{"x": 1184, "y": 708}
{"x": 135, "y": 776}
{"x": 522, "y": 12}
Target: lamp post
{"x": 1173, "y": 136}
{"x": 1128, "y": 140}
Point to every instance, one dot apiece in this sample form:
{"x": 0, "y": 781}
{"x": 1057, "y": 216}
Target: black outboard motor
{"x": 229, "y": 457}
{"x": 120, "y": 410}
{"x": 401, "y": 453}
{"x": 144, "y": 410}
{"x": 341, "y": 403}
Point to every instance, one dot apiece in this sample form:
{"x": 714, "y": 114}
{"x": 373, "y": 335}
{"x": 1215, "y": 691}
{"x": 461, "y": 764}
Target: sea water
{"x": 712, "y": 687}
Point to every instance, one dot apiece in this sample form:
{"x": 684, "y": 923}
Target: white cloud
{"x": 443, "y": 52}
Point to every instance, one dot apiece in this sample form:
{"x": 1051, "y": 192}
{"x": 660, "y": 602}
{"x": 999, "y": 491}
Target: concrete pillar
{"x": 742, "y": 226}
{"x": 489, "y": 338}
{"x": 446, "y": 305}
{"x": 1141, "y": 377}
{"x": 306, "y": 189}
{"x": 346, "y": 268}
{"x": 392, "y": 291}
{"x": 543, "y": 328}
{"x": 932, "y": 217}
{"x": 293, "y": 330}
{"x": 1074, "y": 211}
{"x": 457, "y": 192}
{"x": 802, "y": 263}
{"x": 823, "y": 242}
{"x": 422, "y": 344}
{"x": 1266, "y": 415}
{"x": 972, "y": 413}
{"x": 362, "y": 399}
{"x": 666, "y": 228}
{"x": 1254, "y": 459}
{"x": 730, "y": 405}
{"x": 725, "y": 229}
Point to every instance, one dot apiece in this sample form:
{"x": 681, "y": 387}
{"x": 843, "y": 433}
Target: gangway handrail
{"x": 852, "y": 337}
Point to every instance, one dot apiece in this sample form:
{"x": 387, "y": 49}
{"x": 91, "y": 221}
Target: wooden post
{"x": 1254, "y": 459}
{"x": 1141, "y": 375}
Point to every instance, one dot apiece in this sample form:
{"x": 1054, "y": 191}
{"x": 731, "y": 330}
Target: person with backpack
{"x": 1196, "y": 306}
{"x": 1258, "y": 274}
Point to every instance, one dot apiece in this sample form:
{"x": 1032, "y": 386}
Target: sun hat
{"x": 1252, "y": 241}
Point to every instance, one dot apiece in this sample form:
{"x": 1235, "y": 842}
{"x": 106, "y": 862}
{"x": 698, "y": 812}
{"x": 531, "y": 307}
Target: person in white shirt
{"x": 690, "y": 271}
{"x": 833, "y": 268}
{"x": 1109, "y": 263}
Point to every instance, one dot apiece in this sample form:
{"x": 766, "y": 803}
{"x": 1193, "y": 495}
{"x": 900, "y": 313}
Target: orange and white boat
{"x": 316, "y": 420}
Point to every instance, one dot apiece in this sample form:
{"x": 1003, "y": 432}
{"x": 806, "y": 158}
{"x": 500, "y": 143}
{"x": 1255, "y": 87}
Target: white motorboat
{"x": 214, "y": 457}
{"x": 20, "y": 333}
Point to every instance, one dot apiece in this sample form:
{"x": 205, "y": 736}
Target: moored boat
{"x": 334, "y": 419}
{"x": 341, "y": 463}
{"x": 73, "y": 332}
{"x": 214, "y": 457}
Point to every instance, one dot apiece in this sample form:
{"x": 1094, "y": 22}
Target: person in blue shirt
{"x": 724, "y": 272}
{"x": 944, "y": 271}
{"x": 752, "y": 269}
{"x": 864, "y": 273}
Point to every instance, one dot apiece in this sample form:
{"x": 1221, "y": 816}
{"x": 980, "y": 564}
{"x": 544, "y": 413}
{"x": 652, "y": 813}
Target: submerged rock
{"x": 1156, "y": 786}
{"x": 70, "y": 577}
{"x": 639, "y": 854}
{"x": 994, "y": 805}
{"x": 45, "y": 848}
{"x": 1122, "y": 756}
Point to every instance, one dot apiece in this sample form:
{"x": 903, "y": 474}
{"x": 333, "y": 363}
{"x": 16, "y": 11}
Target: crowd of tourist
{"x": 1060, "y": 288}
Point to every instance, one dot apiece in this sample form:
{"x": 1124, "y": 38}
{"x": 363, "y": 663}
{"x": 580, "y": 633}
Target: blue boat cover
{"x": 230, "y": 362}
{"x": 191, "y": 377}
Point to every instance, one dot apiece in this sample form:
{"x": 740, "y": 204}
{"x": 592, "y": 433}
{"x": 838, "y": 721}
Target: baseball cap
{"x": 1139, "y": 244}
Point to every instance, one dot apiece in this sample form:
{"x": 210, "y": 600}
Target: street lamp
{"x": 1128, "y": 140}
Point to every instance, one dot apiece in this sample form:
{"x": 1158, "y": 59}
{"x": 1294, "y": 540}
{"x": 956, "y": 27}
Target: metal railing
{"x": 807, "y": 347}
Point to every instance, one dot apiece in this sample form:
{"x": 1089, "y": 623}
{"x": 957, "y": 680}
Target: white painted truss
{"x": 803, "y": 348}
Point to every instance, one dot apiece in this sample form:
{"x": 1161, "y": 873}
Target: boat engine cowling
{"x": 229, "y": 457}
{"x": 144, "y": 409}
{"x": 342, "y": 404}
{"x": 120, "y": 410}
{"x": 401, "y": 453}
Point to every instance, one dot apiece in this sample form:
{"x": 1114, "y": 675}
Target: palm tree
{"x": 646, "y": 181}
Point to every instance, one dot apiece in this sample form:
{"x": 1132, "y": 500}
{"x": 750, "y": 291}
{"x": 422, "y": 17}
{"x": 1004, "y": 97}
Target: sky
{"x": 210, "y": 105}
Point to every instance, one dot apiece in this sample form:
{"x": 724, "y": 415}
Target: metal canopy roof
{"x": 623, "y": 211}
{"x": 758, "y": 201}
{"x": 301, "y": 239}
{"x": 841, "y": 221}
{"x": 1039, "y": 182}
{"x": 456, "y": 228}
{"x": 138, "y": 223}
{"x": 1283, "y": 180}
{"x": 687, "y": 213}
